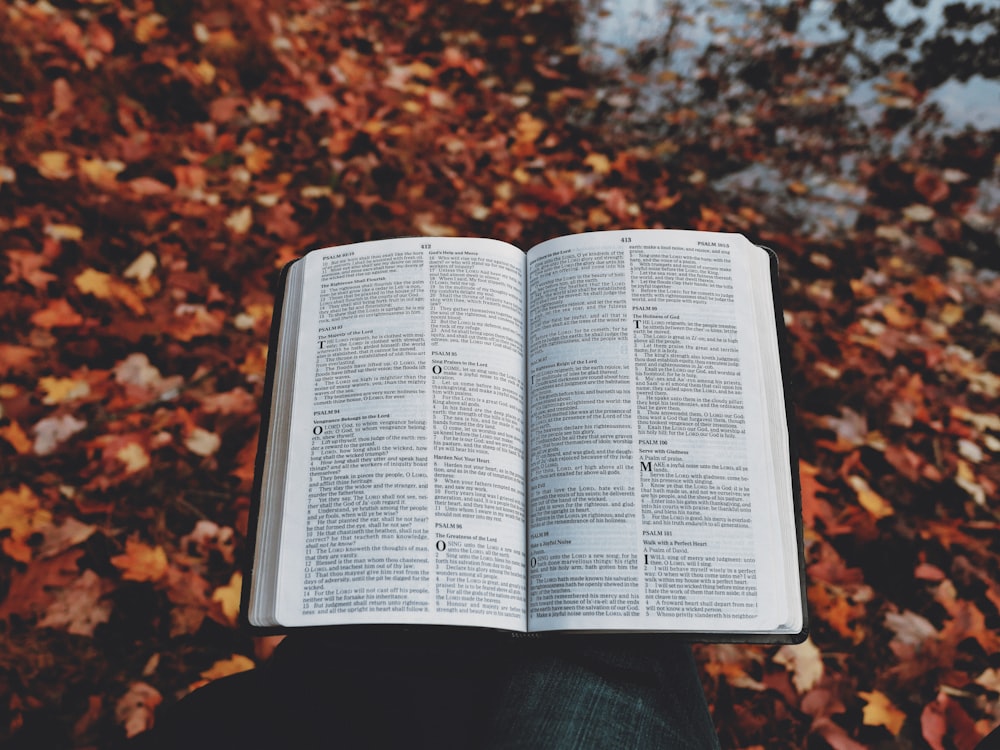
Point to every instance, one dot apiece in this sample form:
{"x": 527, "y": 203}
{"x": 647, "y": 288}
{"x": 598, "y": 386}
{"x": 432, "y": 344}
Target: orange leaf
{"x": 57, "y": 314}
{"x": 880, "y": 711}
{"x": 22, "y": 514}
{"x": 140, "y": 562}
{"x": 15, "y": 358}
{"x": 17, "y": 438}
{"x": 27, "y": 265}
{"x": 224, "y": 667}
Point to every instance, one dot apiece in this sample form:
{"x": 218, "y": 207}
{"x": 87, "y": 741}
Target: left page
{"x": 399, "y": 465}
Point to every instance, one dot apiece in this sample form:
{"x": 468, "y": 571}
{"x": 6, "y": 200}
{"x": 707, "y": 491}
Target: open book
{"x": 590, "y": 436}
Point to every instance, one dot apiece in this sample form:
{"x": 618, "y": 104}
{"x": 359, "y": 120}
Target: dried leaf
{"x": 78, "y": 608}
{"x": 52, "y": 431}
{"x": 22, "y": 515}
{"x": 57, "y": 314}
{"x": 135, "y": 710}
{"x": 880, "y": 711}
{"x": 870, "y": 500}
{"x": 61, "y": 390}
{"x": 202, "y": 442}
{"x": 224, "y": 667}
{"x": 804, "y": 661}
{"x": 140, "y": 562}
{"x": 228, "y": 597}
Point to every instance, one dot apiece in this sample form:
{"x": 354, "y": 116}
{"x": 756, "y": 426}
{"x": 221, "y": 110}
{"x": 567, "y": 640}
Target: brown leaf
{"x": 26, "y": 265}
{"x": 945, "y": 725}
{"x": 78, "y": 608}
{"x": 135, "y": 710}
{"x": 52, "y": 431}
{"x": 30, "y": 591}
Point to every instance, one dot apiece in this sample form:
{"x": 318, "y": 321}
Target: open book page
{"x": 653, "y": 501}
{"x": 404, "y": 493}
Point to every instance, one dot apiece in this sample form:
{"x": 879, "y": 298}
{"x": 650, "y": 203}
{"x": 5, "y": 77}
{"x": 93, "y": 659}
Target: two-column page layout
{"x": 588, "y": 436}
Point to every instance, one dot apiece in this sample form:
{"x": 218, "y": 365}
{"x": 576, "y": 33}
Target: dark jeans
{"x": 449, "y": 688}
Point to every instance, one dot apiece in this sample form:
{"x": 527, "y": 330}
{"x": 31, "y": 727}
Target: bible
{"x": 588, "y": 436}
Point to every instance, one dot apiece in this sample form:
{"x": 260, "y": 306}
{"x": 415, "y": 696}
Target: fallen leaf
{"x": 228, "y": 597}
{"x": 870, "y": 500}
{"x": 240, "y": 220}
{"x": 880, "y": 711}
{"x": 16, "y": 358}
{"x": 78, "y": 608}
{"x": 26, "y": 265}
{"x": 107, "y": 287}
{"x": 57, "y": 314}
{"x": 918, "y": 212}
{"x": 14, "y": 434}
{"x": 140, "y": 562}
{"x": 60, "y": 390}
{"x": 51, "y": 431}
{"x": 804, "y": 661}
{"x": 58, "y": 539}
{"x": 22, "y": 515}
{"x": 944, "y": 725}
{"x": 224, "y": 667}
{"x": 135, "y": 710}
{"x": 202, "y": 442}
{"x": 54, "y": 165}
{"x": 134, "y": 456}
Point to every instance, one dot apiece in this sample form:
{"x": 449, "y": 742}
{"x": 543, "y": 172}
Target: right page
{"x": 660, "y": 489}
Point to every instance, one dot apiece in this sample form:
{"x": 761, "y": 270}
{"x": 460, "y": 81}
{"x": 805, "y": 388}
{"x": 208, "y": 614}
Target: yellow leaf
{"x": 105, "y": 286}
{"x": 880, "y": 711}
{"x": 202, "y": 442}
{"x": 69, "y": 232}
{"x": 60, "y": 390}
{"x": 94, "y": 282}
{"x": 529, "y": 127}
{"x": 870, "y": 500}
{"x": 21, "y": 512}
{"x": 224, "y": 667}
{"x": 142, "y": 267}
{"x": 100, "y": 172}
{"x": 598, "y": 162}
{"x": 240, "y": 220}
{"x": 228, "y": 597}
{"x": 134, "y": 457}
{"x": 140, "y": 562}
{"x": 54, "y": 165}
{"x": 918, "y": 212}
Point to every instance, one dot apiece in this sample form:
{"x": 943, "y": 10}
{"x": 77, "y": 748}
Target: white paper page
{"x": 651, "y": 491}
{"x": 404, "y": 498}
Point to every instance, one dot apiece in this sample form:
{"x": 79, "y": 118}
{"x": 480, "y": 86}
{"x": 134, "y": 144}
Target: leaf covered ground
{"x": 160, "y": 160}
